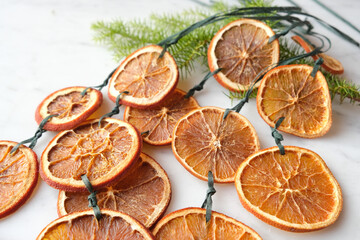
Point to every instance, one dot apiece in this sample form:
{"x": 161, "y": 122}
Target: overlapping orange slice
{"x": 294, "y": 192}
{"x": 70, "y": 107}
{"x": 102, "y": 153}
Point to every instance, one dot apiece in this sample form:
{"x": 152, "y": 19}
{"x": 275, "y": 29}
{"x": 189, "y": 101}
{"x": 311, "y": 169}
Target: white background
{"x": 48, "y": 45}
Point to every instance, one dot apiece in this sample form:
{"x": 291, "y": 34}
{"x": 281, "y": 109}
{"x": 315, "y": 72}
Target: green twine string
{"x": 317, "y": 65}
{"x": 200, "y": 86}
{"x": 207, "y": 204}
{"x": 92, "y": 197}
{"x": 115, "y": 110}
{"x": 101, "y": 86}
{"x": 277, "y": 136}
{"x": 37, "y": 135}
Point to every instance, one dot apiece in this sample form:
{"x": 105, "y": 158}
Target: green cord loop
{"x": 317, "y": 65}
{"x": 115, "y": 110}
{"x": 200, "y": 86}
{"x": 101, "y": 86}
{"x": 277, "y": 136}
{"x": 207, "y": 204}
{"x": 92, "y": 197}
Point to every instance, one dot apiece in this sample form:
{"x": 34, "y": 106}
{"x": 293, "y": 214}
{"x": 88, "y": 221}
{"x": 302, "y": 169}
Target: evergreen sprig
{"x": 124, "y": 37}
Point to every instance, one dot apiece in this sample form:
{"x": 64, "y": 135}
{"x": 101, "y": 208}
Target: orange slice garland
{"x": 102, "y": 153}
{"x": 143, "y": 192}
{"x": 330, "y": 64}
{"x": 203, "y": 141}
{"x": 290, "y": 92}
{"x": 189, "y": 223}
{"x": 148, "y": 78}
{"x": 18, "y": 176}
{"x": 83, "y": 225}
{"x": 70, "y": 107}
{"x": 294, "y": 192}
{"x": 242, "y": 51}
{"x": 160, "y": 121}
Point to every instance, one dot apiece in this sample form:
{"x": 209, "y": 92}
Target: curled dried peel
{"x": 102, "y": 153}
{"x": 148, "y": 78}
{"x": 83, "y": 225}
{"x": 294, "y": 192}
{"x": 143, "y": 192}
{"x": 190, "y": 223}
{"x": 203, "y": 141}
{"x": 69, "y": 106}
{"x": 18, "y": 176}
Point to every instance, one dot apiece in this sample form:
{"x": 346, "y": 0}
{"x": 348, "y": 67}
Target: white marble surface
{"x": 46, "y": 45}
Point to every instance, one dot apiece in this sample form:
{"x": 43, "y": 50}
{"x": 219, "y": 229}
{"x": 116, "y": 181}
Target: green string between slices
{"x": 92, "y": 197}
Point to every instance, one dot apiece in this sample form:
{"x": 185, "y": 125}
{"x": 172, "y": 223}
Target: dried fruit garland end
{"x": 190, "y": 223}
{"x": 203, "y": 141}
{"x": 83, "y": 225}
{"x": 330, "y": 64}
{"x": 70, "y": 106}
{"x": 242, "y": 51}
{"x": 160, "y": 121}
{"x": 102, "y": 153}
{"x": 294, "y": 192}
{"x": 18, "y": 176}
{"x": 289, "y": 91}
{"x": 143, "y": 192}
{"x": 148, "y": 78}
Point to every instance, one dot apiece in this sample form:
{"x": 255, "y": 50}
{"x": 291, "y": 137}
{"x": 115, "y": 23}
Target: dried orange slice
{"x": 148, "y": 78}
{"x": 304, "y": 101}
{"x": 83, "y": 225}
{"x": 242, "y": 51}
{"x": 18, "y": 176}
{"x": 203, "y": 141}
{"x": 70, "y": 107}
{"x": 294, "y": 192}
{"x": 160, "y": 121}
{"x": 102, "y": 153}
{"x": 190, "y": 223}
{"x": 330, "y": 64}
{"x": 143, "y": 192}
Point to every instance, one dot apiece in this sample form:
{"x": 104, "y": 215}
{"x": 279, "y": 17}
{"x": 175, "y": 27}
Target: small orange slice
{"x": 18, "y": 176}
{"x": 330, "y": 64}
{"x": 148, "y": 78}
{"x": 83, "y": 225}
{"x": 102, "y": 153}
{"x": 294, "y": 192}
{"x": 304, "y": 101}
{"x": 160, "y": 121}
{"x": 143, "y": 192}
{"x": 203, "y": 141}
{"x": 242, "y": 51}
{"x": 190, "y": 223}
{"x": 71, "y": 107}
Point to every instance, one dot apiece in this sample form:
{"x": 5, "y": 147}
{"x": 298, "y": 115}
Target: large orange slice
{"x": 113, "y": 225}
{"x": 294, "y": 192}
{"x": 160, "y": 121}
{"x": 18, "y": 176}
{"x": 330, "y": 64}
{"x": 70, "y": 107}
{"x": 203, "y": 141}
{"x": 148, "y": 78}
{"x": 304, "y": 101}
{"x": 102, "y": 153}
{"x": 190, "y": 223}
{"x": 143, "y": 192}
{"x": 242, "y": 51}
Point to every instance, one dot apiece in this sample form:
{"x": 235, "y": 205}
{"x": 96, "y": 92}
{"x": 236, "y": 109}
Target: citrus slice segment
{"x": 83, "y": 225}
{"x": 148, "y": 78}
{"x": 143, "y": 192}
{"x": 294, "y": 192}
{"x": 18, "y": 176}
{"x": 242, "y": 51}
{"x": 330, "y": 64}
{"x": 102, "y": 153}
{"x": 70, "y": 107}
{"x": 160, "y": 121}
{"x": 304, "y": 101}
{"x": 203, "y": 141}
{"x": 190, "y": 223}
